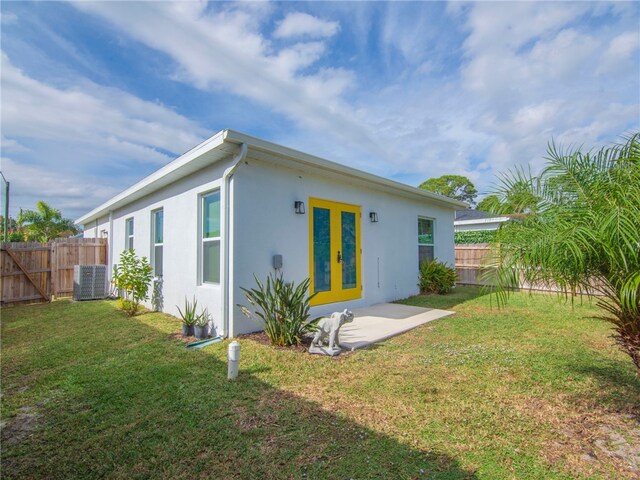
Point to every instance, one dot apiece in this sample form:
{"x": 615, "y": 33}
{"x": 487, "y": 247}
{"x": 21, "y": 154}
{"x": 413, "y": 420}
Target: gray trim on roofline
{"x": 178, "y": 168}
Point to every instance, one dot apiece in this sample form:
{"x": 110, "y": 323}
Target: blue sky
{"x": 97, "y": 95}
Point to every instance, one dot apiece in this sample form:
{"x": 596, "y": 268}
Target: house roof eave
{"x": 203, "y": 154}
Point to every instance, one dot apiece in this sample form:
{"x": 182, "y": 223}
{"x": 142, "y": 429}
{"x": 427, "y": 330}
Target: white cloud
{"x": 298, "y": 24}
{"x": 621, "y": 54}
{"x": 11, "y": 145}
{"x": 105, "y": 118}
{"x": 8, "y": 18}
{"x": 624, "y": 45}
{"x": 71, "y": 194}
{"x": 225, "y": 50}
{"x": 409, "y": 31}
{"x": 535, "y": 74}
{"x": 527, "y": 72}
{"x": 55, "y": 139}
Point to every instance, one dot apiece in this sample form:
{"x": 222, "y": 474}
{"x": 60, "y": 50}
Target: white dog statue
{"x": 328, "y": 331}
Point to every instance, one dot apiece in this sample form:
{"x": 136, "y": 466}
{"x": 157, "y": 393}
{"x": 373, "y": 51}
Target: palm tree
{"x": 514, "y": 195}
{"x": 583, "y": 235}
{"x": 44, "y": 223}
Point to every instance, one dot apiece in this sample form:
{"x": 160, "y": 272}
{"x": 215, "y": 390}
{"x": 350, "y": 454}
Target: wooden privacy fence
{"x": 35, "y": 272}
{"x": 472, "y": 270}
{"x": 470, "y": 260}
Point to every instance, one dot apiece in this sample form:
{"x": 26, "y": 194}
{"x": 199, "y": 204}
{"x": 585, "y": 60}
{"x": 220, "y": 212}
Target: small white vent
{"x": 90, "y": 282}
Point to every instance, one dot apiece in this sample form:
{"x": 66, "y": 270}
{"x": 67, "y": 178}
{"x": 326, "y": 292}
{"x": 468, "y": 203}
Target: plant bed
{"x": 185, "y": 340}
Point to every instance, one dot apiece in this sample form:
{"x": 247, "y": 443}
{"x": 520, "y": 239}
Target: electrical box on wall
{"x": 277, "y": 262}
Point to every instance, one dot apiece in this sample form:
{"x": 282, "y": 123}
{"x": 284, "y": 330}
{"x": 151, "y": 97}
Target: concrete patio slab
{"x": 384, "y": 320}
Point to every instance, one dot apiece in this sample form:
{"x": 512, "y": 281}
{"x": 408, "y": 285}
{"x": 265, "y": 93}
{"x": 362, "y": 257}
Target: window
{"x": 157, "y": 232}
{"x": 211, "y": 237}
{"x": 425, "y": 239}
{"x": 128, "y": 235}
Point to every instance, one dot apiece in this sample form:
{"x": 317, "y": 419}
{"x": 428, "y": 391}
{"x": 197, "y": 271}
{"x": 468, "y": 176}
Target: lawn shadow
{"x": 459, "y": 295}
{"x": 619, "y": 386}
{"x": 151, "y": 408}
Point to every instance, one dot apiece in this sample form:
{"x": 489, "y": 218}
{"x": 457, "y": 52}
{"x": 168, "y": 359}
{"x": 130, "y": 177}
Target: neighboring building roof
{"x": 481, "y": 221}
{"x": 226, "y": 143}
{"x": 470, "y": 218}
{"x": 471, "y": 214}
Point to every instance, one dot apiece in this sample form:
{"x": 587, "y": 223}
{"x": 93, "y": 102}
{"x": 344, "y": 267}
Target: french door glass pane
{"x": 211, "y": 261}
{"x": 348, "y": 249}
{"x": 321, "y": 249}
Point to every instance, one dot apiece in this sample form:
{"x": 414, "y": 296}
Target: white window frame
{"x": 203, "y": 240}
{"x": 129, "y": 238}
{"x": 433, "y": 236}
{"x": 153, "y": 240}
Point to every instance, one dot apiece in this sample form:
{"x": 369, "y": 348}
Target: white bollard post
{"x": 234, "y": 360}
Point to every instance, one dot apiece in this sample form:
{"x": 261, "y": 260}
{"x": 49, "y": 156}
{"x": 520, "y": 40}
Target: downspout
{"x": 110, "y": 247}
{"x": 226, "y": 181}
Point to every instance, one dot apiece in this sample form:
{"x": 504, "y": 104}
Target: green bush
{"x": 436, "y": 277}
{"x": 131, "y": 277}
{"x": 283, "y": 308}
{"x": 475, "y": 236}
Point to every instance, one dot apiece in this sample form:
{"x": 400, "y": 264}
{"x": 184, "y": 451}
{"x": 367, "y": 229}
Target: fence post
{"x": 52, "y": 266}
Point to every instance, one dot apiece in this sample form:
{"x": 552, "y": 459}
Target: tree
{"x": 583, "y": 236}
{"x": 490, "y": 203}
{"x": 44, "y": 223}
{"x": 14, "y": 234}
{"x": 457, "y": 187}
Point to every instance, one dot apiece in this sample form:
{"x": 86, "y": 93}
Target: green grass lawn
{"x": 535, "y": 390}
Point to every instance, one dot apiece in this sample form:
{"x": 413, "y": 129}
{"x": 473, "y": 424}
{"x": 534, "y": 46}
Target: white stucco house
{"x": 235, "y": 206}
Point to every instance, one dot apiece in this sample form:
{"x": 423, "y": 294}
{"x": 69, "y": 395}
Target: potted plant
{"x": 189, "y": 317}
{"x": 202, "y": 325}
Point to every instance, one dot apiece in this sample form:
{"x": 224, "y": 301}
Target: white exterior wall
{"x": 96, "y": 228}
{"x": 265, "y": 224}
{"x": 181, "y": 204}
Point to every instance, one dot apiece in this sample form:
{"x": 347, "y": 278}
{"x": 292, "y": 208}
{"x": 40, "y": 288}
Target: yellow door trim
{"x": 337, "y": 293}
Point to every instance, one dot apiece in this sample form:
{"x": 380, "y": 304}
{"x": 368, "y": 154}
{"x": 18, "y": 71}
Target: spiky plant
{"x": 282, "y": 307}
{"x": 583, "y": 235}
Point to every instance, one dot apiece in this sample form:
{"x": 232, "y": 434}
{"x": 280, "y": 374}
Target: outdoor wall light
{"x": 373, "y": 216}
{"x": 299, "y": 207}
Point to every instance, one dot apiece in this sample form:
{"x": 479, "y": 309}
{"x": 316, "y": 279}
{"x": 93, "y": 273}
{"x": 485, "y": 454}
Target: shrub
{"x": 436, "y": 277}
{"x": 474, "y": 236}
{"x": 283, "y": 308}
{"x": 131, "y": 277}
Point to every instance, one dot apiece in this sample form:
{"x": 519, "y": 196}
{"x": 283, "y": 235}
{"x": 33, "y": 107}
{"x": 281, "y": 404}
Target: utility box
{"x": 277, "y": 262}
{"x": 90, "y": 282}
